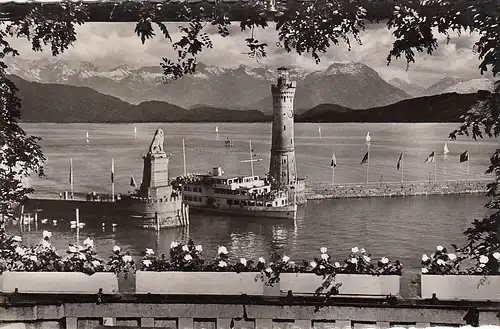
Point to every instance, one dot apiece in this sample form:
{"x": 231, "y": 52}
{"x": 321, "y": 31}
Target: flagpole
{"x": 435, "y": 168}
{"x": 402, "y": 167}
{"x": 368, "y": 164}
{"x": 71, "y": 176}
{"x": 333, "y": 170}
{"x": 251, "y": 156}
{"x": 113, "y": 180}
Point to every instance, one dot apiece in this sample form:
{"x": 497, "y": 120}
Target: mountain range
{"x": 351, "y": 85}
{"x": 66, "y": 104}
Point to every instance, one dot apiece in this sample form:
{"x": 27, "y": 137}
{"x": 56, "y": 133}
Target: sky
{"x": 112, "y": 44}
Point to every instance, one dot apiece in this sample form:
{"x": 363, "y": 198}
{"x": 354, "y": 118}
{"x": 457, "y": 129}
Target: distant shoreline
{"x": 144, "y": 122}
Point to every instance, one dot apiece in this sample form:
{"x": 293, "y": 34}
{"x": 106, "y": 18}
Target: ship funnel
{"x": 217, "y": 171}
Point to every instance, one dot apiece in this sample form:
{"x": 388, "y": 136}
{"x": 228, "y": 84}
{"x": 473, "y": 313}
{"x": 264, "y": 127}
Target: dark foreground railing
{"x": 45, "y": 311}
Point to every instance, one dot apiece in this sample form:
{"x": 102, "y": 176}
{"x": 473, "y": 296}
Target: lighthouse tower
{"x": 283, "y": 168}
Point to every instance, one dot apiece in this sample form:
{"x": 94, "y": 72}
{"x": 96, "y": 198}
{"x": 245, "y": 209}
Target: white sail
{"x": 216, "y": 129}
{"x": 87, "y": 134}
{"x": 135, "y": 130}
{"x": 446, "y": 150}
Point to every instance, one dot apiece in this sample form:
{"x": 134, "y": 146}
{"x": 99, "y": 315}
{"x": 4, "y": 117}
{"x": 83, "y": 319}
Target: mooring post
{"x": 157, "y": 219}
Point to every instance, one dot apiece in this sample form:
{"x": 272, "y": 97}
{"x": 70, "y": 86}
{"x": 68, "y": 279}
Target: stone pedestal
{"x": 155, "y": 178}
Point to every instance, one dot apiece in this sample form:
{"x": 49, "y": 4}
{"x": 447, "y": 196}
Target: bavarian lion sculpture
{"x": 157, "y": 143}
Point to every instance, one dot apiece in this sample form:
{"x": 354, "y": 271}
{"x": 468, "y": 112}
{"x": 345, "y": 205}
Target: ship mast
{"x": 252, "y": 160}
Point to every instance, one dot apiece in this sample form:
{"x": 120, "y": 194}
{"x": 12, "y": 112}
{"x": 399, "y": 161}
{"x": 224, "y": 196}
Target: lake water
{"x": 399, "y": 228}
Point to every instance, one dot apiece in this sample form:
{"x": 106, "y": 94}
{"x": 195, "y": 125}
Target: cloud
{"x": 113, "y": 44}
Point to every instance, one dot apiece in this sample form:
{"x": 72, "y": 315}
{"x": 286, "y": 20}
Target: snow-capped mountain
{"x": 471, "y": 86}
{"x": 352, "y": 85}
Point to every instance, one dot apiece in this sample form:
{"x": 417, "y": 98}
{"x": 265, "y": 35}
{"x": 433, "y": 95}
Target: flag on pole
{"x": 132, "y": 182}
{"x": 334, "y": 161}
{"x": 112, "y": 170}
{"x": 70, "y": 170}
{"x": 399, "y": 161}
{"x": 464, "y": 156}
{"x": 430, "y": 158}
{"x": 365, "y": 158}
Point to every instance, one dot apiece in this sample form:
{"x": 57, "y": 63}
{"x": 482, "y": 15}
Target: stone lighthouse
{"x": 283, "y": 166}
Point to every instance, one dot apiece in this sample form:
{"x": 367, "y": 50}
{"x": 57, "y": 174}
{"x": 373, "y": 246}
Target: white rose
{"x": 173, "y": 245}
{"x": 323, "y": 250}
{"x": 88, "y": 242}
{"x": 441, "y": 262}
{"x": 337, "y": 264}
{"x": 45, "y": 244}
{"x": 324, "y": 256}
{"x": 188, "y": 258}
{"x": 222, "y": 263}
{"x": 243, "y": 261}
{"x": 313, "y": 264}
{"x": 354, "y": 260}
{"x": 127, "y": 258}
{"x": 262, "y": 260}
{"x": 452, "y": 256}
{"x": 355, "y": 249}
{"x": 286, "y": 259}
{"x": 439, "y": 248}
{"x": 116, "y": 249}
{"x": 424, "y": 270}
{"x": 384, "y": 260}
{"x": 222, "y": 250}
{"x": 146, "y": 262}
{"x": 199, "y": 248}
{"x": 96, "y": 263}
{"x": 149, "y": 251}
{"x": 496, "y": 255}
{"x": 367, "y": 259}
{"x": 425, "y": 258}
{"x": 185, "y": 248}
{"x": 33, "y": 258}
{"x": 17, "y": 238}
{"x": 484, "y": 259}
{"x": 20, "y": 251}
{"x": 46, "y": 234}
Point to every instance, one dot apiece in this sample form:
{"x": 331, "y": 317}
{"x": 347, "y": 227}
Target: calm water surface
{"x": 399, "y": 228}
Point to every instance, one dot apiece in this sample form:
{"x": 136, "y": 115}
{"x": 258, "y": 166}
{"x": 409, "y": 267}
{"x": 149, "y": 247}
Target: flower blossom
{"x": 243, "y": 261}
{"x": 46, "y": 234}
{"x": 88, "y": 242}
{"x": 173, "y": 245}
{"x": 45, "y": 244}
{"x": 199, "y": 248}
{"x": 483, "y": 259}
{"x": 313, "y": 264}
{"x": 17, "y": 238}
{"x": 269, "y": 270}
{"x": 127, "y": 258}
{"x": 441, "y": 262}
{"x": 367, "y": 259}
{"x": 354, "y": 260}
{"x": 20, "y": 251}
{"x": 262, "y": 260}
{"x": 439, "y": 248}
{"x": 452, "y": 256}
{"x": 72, "y": 249}
{"x": 424, "y": 270}
{"x": 337, "y": 264}
{"x": 222, "y": 263}
{"x": 149, "y": 251}
{"x": 384, "y": 260}
{"x": 185, "y": 248}
{"x": 496, "y": 255}
{"x": 33, "y": 258}
{"x": 425, "y": 258}
{"x": 355, "y": 249}
{"x": 96, "y": 263}
{"x": 222, "y": 250}
{"x": 321, "y": 267}
{"x": 82, "y": 256}
{"x": 146, "y": 262}
{"x": 286, "y": 259}
{"x": 323, "y": 250}
{"x": 188, "y": 258}
{"x": 116, "y": 249}
{"x": 324, "y": 256}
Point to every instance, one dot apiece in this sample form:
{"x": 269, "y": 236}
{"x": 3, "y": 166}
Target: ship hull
{"x": 288, "y": 212}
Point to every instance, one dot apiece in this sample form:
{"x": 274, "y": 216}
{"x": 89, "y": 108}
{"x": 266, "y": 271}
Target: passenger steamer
{"x": 236, "y": 195}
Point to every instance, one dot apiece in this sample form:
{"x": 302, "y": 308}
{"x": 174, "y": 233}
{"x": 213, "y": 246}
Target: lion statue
{"x": 157, "y": 143}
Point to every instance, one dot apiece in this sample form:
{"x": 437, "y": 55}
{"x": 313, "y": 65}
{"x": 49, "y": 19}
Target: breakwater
{"x": 327, "y": 190}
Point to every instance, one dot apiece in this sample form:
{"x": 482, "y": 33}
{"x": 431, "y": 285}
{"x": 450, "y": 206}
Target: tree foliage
{"x": 309, "y": 27}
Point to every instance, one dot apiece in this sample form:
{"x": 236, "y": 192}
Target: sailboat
{"x": 217, "y": 132}
{"x": 446, "y": 150}
{"x": 87, "y": 137}
{"x": 319, "y": 131}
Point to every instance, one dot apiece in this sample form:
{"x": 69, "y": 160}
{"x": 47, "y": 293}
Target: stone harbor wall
{"x": 325, "y": 190}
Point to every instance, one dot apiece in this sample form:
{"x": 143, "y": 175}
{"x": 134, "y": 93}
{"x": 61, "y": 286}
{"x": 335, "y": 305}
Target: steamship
{"x": 235, "y": 195}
